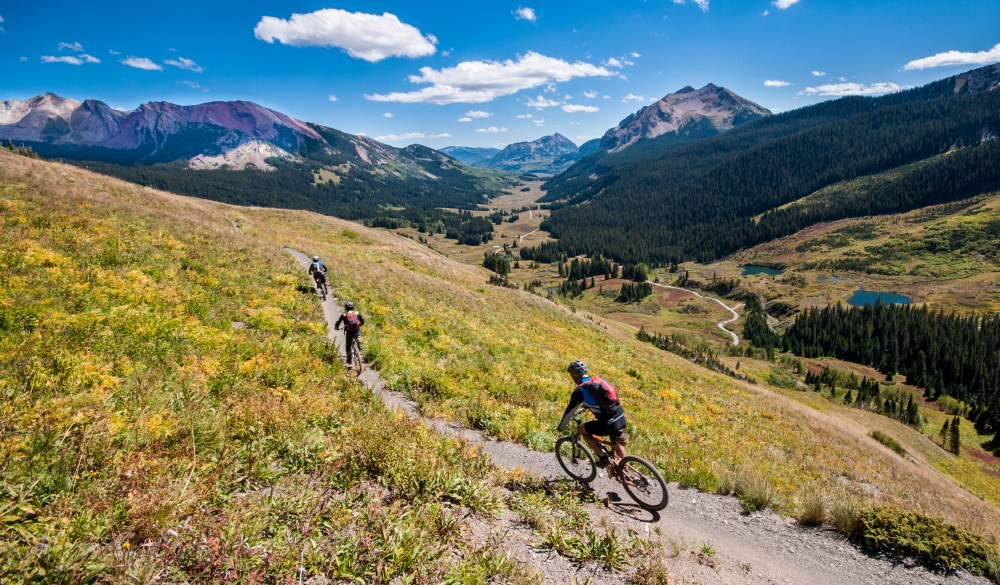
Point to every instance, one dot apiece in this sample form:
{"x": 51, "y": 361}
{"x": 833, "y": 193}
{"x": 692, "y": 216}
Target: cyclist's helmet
{"x": 315, "y": 258}
{"x": 349, "y": 306}
{"x": 577, "y": 367}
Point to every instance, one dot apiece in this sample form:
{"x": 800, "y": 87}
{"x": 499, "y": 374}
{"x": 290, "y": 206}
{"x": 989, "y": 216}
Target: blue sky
{"x": 484, "y": 73}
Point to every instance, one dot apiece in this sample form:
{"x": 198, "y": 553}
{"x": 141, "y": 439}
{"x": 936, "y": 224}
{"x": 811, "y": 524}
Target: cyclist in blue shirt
{"x": 600, "y": 398}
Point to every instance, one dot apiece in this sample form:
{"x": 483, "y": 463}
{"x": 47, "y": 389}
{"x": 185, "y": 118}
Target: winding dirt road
{"x": 720, "y": 324}
{"x": 759, "y": 548}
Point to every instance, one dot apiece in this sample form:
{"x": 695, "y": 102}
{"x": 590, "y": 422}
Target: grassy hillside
{"x": 493, "y": 359}
{"x": 173, "y": 411}
{"x": 945, "y": 255}
{"x": 171, "y": 385}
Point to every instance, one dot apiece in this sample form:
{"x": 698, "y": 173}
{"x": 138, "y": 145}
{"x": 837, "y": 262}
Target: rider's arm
{"x": 575, "y": 400}
{"x": 361, "y": 319}
{"x": 339, "y": 321}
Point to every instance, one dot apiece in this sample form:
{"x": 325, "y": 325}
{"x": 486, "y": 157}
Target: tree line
{"x": 948, "y": 355}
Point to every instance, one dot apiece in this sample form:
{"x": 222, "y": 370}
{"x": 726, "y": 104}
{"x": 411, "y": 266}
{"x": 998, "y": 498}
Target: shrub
{"x": 888, "y": 442}
{"x": 886, "y": 528}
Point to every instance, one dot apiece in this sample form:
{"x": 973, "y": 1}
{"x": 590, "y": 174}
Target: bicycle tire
{"x": 643, "y": 483}
{"x": 576, "y": 460}
{"x": 357, "y": 356}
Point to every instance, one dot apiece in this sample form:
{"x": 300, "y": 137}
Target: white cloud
{"x": 410, "y": 136}
{"x": 483, "y": 81}
{"x": 182, "y": 63}
{"x": 618, "y": 62}
{"x": 364, "y": 36}
{"x": 491, "y": 130}
{"x": 776, "y": 83}
{"x": 1, "y": 20}
{"x": 703, "y": 4}
{"x": 551, "y": 88}
{"x": 635, "y": 55}
{"x": 575, "y": 108}
{"x": 191, "y": 84}
{"x": 590, "y": 94}
{"x": 818, "y": 73}
{"x": 767, "y": 13}
{"x": 634, "y": 98}
{"x": 540, "y": 102}
{"x": 842, "y": 89}
{"x": 23, "y": 59}
{"x": 71, "y": 59}
{"x": 464, "y": 119}
{"x": 332, "y": 97}
{"x": 142, "y": 63}
{"x": 478, "y": 114}
{"x": 388, "y": 115}
{"x": 783, "y": 4}
{"x": 524, "y": 116}
{"x": 526, "y": 13}
{"x": 77, "y": 47}
{"x": 950, "y": 58}
{"x": 539, "y": 121}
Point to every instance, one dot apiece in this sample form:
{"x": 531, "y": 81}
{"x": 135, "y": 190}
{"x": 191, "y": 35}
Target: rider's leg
{"x": 593, "y": 443}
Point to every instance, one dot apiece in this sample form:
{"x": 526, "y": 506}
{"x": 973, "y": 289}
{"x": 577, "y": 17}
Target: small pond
{"x": 828, "y": 279}
{"x": 751, "y": 269}
{"x": 861, "y": 298}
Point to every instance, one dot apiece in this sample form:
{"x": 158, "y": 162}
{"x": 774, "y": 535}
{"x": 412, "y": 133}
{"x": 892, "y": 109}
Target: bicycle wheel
{"x": 643, "y": 483}
{"x": 575, "y": 459}
{"x": 357, "y": 356}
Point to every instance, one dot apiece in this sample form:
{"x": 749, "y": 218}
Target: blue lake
{"x": 828, "y": 279}
{"x": 751, "y": 269}
{"x": 861, "y": 298}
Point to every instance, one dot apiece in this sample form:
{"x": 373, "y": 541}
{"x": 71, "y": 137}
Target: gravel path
{"x": 759, "y": 548}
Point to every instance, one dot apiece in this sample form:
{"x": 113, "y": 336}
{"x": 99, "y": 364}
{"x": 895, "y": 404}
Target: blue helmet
{"x": 349, "y": 306}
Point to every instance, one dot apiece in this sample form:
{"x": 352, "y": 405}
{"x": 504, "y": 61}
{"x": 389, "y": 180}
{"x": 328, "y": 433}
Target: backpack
{"x": 352, "y": 322}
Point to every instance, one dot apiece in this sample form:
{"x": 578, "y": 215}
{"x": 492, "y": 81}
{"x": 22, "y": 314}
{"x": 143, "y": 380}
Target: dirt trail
{"x": 753, "y": 549}
{"x": 720, "y": 324}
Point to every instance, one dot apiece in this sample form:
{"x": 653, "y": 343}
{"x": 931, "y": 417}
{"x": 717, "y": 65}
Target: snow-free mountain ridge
{"x": 687, "y": 113}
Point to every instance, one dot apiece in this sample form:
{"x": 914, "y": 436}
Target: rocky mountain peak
{"x": 687, "y": 112}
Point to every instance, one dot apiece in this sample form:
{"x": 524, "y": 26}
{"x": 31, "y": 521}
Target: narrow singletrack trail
{"x": 721, "y": 324}
{"x": 759, "y": 548}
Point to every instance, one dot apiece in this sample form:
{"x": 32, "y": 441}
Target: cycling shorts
{"x": 615, "y": 431}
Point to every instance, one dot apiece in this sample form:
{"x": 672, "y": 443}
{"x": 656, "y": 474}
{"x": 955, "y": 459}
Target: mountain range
{"x": 208, "y": 150}
{"x": 667, "y": 200}
{"x": 679, "y": 118}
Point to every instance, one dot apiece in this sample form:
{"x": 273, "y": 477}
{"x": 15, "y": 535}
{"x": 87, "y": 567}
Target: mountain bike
{"x": 640, "y": 479}
{"x": 321, "y": 286}
{"x": 356, "y": 347}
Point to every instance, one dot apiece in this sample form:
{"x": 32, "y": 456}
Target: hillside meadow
{"x": 171, "y": 383}
{"x": 493, "y": 359}
{"x": 172, "y": 410}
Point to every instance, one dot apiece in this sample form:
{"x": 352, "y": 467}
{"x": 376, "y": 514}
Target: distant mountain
{"x": 468, "y": 154}
{"x": 307, "y": 166}
{"x": 688, "y": 113}
{"x": 850, "y": 157}
{"x": 537, "y": 156}
{"x": 679, "y": 119}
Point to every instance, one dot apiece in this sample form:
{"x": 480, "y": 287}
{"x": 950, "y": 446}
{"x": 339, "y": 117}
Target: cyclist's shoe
{"x": 604, "y": 462}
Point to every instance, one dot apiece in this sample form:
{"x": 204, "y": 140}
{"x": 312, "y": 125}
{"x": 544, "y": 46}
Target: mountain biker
{"x": 352, "y": 321}
{"x": 601, "y": 399}
{"x": 318, "y": 271}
